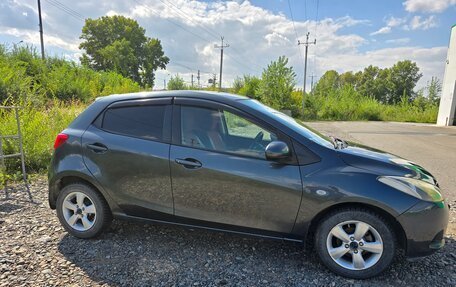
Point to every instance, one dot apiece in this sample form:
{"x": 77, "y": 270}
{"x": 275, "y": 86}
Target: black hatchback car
{"x": 229, "y": 163}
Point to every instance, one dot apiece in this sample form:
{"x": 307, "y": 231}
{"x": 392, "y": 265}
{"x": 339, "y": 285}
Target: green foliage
{"x": 434, "y": 90}
{"x": 247, "y": 86}
{"x": 26, "y": 78}
{"x": 277, "y": 84}
{"x": 347, "y": 104}
{"x": 328, "y": 82}
{"x": 117, "y": 43}
{"x": 176, "y": 83}
{"x": 39, "y": 128}
{"x": 387, "y": 85}
{"x": 401, "y": 81}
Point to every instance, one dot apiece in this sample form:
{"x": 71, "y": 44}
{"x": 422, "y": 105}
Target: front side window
{"x": 220, "y": 130}
{"x": 136, "y": 121}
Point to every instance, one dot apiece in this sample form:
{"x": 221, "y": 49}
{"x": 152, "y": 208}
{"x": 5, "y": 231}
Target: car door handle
{"x": 98, "y": 147}
{"x": 189, "y": 163}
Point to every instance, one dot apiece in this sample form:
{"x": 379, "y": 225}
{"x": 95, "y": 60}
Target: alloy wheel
{"x": 79, "y": 211}
{"x": 354, "y": 245}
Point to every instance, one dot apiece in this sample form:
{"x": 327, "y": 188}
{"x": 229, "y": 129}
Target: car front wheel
{"x": 355, "y": 243}
{"x": 82, "y": 211}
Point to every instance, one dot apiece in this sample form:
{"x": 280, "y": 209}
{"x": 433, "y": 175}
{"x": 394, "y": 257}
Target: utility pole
{"x": 311, "y": 82}
{"x": 41, "y": 29}
{"x": 306, "y": 43}
{"x": 198, "y": 77}
{"x": 213, "y": 81}
{"x": 221, "y": 61}
{"x": 192, "y": 80}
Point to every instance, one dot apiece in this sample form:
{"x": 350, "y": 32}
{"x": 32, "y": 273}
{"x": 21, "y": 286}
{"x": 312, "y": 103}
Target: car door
{"x": 220, "y": 173}
{"x": 127, "y": 151}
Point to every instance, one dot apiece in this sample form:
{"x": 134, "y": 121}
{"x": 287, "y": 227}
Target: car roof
{"x": 209, "y": 95}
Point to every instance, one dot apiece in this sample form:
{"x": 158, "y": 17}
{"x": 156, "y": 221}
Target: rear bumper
{"x": 424, "y": 225}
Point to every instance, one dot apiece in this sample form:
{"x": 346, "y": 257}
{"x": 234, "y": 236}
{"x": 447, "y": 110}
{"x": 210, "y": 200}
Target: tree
{"x": 373, "y": 82}
{"x": 402, "y": 79}
{"x": 434, "y": 88}
{"x": 176, "y": 83}
{"x": 327, "y": 83}
{"x": 250, "y": 86}
{"x": 349, "y": 78}
{"x": 277, "y": 83}
{"x": 238, "y": 83}
{"x": 119, "y": 44}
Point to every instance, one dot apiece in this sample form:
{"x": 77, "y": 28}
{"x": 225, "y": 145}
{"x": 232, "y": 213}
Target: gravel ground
{"x": 36, "y": 251}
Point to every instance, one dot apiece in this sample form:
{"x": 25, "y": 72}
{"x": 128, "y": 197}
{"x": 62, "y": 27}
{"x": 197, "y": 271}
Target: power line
{"x": 296, "y": 33}
{"x": 66, "y": 9}
{"x": 172, "y": 22}
{"x": 314, "y": 66}
{"x": 245, "y": 58}
{"x": 244, "y": 65}
{"x": 182, "y": 13}
{"x": 208, "y": 30}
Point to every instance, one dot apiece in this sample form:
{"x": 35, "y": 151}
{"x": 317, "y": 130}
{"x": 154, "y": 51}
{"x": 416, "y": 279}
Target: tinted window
{"x": 224, "y": 131}
{"x": 137, "y": 121}
{"x": 238, "y": 126}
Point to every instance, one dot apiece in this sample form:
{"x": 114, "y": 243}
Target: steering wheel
{"x": 256, "y": 144}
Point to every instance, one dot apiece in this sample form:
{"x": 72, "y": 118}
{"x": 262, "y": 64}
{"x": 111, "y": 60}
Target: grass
{"x": 39, "y": 128}
{"x": 346, "y": 104}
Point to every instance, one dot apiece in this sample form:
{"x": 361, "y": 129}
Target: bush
{"x": 25, "y": 77}
{"x": 346, "y": 104}
{"x": 39, "y": 128}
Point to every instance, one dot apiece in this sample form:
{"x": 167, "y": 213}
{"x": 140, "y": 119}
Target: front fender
{"x": 344, "y": 184}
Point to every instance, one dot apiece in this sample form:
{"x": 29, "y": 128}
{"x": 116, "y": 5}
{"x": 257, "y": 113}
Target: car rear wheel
{"x": 355, "y": 243}
{"x": 82, "y": 211}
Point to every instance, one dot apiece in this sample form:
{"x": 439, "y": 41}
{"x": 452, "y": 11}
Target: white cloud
{"x": 383, "y": 30}
{"x": 394, "y": 22}
{"x": 429, "y": 22}
{"x": 391, "y": 22}
{"x": 30, "y": 36}
{"x": 189, "y": 29}
{"x": 428, "y": 6}
{"x": 399, "y": 41}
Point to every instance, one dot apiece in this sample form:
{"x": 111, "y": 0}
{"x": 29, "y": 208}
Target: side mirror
{"x": 277, "y": 150}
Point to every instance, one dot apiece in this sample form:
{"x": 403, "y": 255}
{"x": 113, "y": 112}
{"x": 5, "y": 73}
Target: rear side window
{"x": 136, "y": 121}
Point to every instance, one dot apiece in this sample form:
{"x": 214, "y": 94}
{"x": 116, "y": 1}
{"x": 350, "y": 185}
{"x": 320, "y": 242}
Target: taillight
{"x": 60, "y": 140}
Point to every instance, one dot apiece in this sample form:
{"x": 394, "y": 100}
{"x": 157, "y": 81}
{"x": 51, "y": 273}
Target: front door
{"x": 220, "y": 173}
{"x": 127, "y": 150}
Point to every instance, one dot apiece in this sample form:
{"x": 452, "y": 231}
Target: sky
{"x": 350, "y": 35}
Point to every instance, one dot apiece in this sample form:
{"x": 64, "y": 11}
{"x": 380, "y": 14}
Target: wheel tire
{"x": 101, "y": 218}
{"x": 325, "y": 235}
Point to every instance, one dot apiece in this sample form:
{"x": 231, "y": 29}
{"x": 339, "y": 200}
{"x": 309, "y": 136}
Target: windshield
{"x": 298, "y": 127}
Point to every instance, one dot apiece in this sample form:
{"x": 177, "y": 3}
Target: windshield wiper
{"x": 338, "y": 142}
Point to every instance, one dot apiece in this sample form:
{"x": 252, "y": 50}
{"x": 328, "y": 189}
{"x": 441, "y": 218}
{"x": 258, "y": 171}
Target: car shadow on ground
{"x": 159, "y": 255}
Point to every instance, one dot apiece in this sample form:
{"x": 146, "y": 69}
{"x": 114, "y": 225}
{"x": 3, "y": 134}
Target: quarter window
{"x": 136, "y": 121}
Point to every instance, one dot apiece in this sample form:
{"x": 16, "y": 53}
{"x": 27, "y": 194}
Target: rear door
{"x": 220, "y": 173}
{"x": 127, "y": 151}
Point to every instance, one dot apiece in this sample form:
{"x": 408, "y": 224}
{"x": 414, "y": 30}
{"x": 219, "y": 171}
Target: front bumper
{"x": 424, "y": 225}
